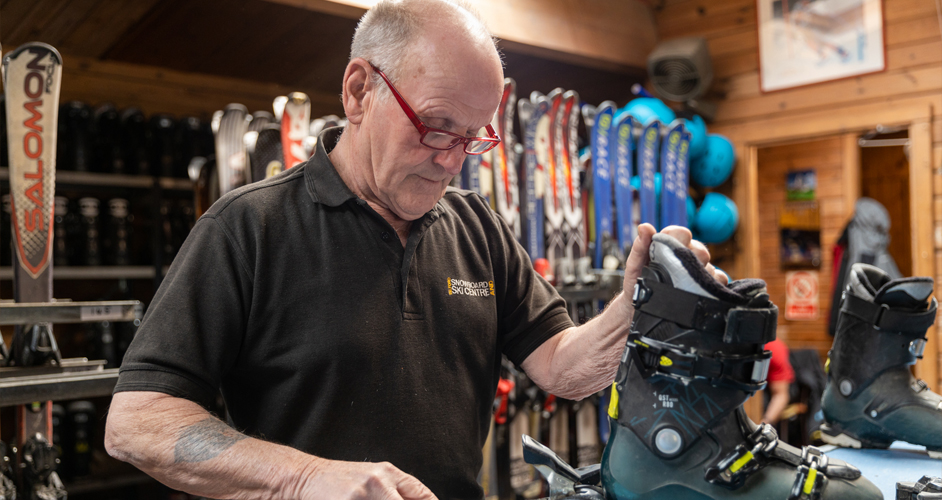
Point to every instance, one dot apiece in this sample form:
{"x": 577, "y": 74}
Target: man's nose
{"x": 451, "y": 160}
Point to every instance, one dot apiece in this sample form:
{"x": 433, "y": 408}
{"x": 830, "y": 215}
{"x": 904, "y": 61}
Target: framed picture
{"x": 811, "y": 41}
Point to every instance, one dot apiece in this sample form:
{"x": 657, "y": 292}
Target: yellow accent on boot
{"x": 738, "y": 464}
{"x": 613, "y": 402}
{"x": 665, "y": 361}
{"x": 809, "y": 483}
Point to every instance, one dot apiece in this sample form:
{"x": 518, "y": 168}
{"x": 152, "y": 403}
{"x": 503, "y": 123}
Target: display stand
{"x": 884, "y": 468}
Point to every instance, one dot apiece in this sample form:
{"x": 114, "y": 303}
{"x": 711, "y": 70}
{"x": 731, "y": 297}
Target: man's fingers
{"x": 679, "y": 233}
{"x": 700, "y": 250}
{"x": 411, "y": 488}
{"x": 717, "y": 274}
{"x": 638, "y": 258}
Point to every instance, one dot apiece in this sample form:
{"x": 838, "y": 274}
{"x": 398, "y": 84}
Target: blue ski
{"x": 647, "y": 167}
{"x": 620, "y": 144}
{"x": 670, "y": 150}
{"x": 531, "y": 117}
{"x": 682, "y": 184}
{"x": 602, "y": 181}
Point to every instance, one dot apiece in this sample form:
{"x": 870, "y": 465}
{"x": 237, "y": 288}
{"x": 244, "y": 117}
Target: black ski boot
{"x": 694, "y": 355}
{"x": 871, "y": 398}
{"x": 39, "y": 462}
{"x": 7, "y": 488}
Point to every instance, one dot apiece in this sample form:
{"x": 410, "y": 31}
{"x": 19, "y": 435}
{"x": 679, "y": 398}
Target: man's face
{"x": 449, "y": 86}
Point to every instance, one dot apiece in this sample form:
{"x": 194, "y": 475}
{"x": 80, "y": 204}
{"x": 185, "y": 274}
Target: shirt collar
{"x": 323, "y": 181}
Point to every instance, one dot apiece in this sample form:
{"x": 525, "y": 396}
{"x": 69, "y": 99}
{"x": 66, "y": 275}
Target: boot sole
{"x": 838, "y": 437}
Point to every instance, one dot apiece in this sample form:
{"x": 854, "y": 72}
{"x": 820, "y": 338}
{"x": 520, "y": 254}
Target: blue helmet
{"x": 717, "y": 218}
{"x": 713, "y": 168}
{"x": 647, "y": 109}
{"x": 698, "y": 136}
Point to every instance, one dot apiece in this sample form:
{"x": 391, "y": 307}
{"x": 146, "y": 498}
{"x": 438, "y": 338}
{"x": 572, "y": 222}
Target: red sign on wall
{"x": 801, "y": 295}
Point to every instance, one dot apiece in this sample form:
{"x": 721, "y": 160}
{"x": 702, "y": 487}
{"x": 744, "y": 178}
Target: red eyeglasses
{"x": 442, "y": 139}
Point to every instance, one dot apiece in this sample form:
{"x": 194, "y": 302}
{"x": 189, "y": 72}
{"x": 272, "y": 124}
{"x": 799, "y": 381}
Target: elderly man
{"x": 318, "y": 301}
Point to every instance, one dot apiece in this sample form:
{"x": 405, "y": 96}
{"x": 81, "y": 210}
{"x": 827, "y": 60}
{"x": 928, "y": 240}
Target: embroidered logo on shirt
{"x": 472, "y": 288}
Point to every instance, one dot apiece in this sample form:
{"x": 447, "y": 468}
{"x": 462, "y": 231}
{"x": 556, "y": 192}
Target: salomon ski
{"x": 32, "y": 78}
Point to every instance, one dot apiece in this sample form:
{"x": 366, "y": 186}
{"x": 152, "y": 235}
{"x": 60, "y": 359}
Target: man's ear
{"x": 357, "y": 89}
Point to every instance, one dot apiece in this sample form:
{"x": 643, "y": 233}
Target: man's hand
{"x": 639, "y": 256}
{"x": 340, "y": 480}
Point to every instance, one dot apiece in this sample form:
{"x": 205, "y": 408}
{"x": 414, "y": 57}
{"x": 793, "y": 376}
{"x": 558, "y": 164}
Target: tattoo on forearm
{"x": 204, "y": 440}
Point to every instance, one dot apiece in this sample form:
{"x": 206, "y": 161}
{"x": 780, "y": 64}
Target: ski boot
{"x": 694, "y": 355}
{"x": 871, "y": 398}
{"x": 39, "y": 461}
{"x": 7, "y": 488}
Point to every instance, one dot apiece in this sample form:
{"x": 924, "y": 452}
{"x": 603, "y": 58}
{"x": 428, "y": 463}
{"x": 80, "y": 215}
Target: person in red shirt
{"x": 781, "y": 375}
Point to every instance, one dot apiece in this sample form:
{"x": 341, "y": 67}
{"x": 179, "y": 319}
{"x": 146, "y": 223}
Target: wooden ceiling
{"x": 251, "y": 41}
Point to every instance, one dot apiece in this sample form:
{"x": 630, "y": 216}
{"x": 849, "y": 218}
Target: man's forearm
{"x": 181, "y": 445}
{"x": 583, "y": 360}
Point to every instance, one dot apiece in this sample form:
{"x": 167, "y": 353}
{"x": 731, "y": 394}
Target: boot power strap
{"x": 884, "y": 318}
{"x": 742, "y": 372}
{"x": 736, "y": 325}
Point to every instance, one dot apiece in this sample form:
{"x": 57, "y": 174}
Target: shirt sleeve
{"x": 193, "y": 329}
{"x": 530, "y": 310}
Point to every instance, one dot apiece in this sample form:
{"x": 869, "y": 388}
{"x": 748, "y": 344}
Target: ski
{"x": 32, "y": 76}
{"x": 546, "y": 140}
{"x": 295, "y": 126}
{"x": 670, "y": 151}
{"x": 647, "y": 167}
{"x": 605, "y": 241}
{"x": 506, "y": 193}
{"x": 682, "y": 184}
{"x": 532, "y": 117}
{"x": 620, "y": 143}
{"x": 265, "y": 155}
{"x": 471, "y": 172}
{"x": 230, "y": 126}
{"x": 567, "y": 151}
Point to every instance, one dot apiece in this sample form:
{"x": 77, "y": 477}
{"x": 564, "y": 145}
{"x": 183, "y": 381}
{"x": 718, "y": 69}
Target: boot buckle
{"x": 733, "y": 470}
{"x": 810, "y": 480}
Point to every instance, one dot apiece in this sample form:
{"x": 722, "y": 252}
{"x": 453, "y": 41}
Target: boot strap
{"x": 757, "y": 451}
{"x": 883, "y": 318}
{"x": 743, "y": 372}
{"x": 736, "y": 325}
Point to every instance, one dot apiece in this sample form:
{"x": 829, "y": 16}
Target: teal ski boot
{"x": 694, "y": 355}
{"x": 871, "y": 398}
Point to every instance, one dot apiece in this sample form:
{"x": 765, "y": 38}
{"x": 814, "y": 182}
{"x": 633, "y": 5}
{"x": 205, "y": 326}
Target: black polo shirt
{"x": 297, "y": 300}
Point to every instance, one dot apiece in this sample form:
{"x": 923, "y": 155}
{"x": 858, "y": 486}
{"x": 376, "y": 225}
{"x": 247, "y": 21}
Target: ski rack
{"x": 607, "y": 285}
{"x": 75, "y": 378}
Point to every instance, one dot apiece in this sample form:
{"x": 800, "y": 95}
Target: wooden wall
{"x": 908, "y": 93}
{"x": 824, "y": 156}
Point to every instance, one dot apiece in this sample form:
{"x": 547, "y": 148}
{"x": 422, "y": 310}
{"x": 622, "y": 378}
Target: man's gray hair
{"x": 385, "y": 33}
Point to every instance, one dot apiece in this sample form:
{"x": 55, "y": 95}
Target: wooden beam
{"x": 923, "y": 250}
{"x": 614, "y": 35}
{"x": 158, "y": 90}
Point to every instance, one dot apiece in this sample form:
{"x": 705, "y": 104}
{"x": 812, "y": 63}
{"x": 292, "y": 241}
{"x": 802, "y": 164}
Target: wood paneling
{"x": 158, "y": 90}
{"x": 909, "y": 91}
{"x": 774, "y": 163}
{"x": 614, "y": 35}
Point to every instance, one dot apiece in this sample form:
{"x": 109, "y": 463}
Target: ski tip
{"x": 33, "y": 45}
